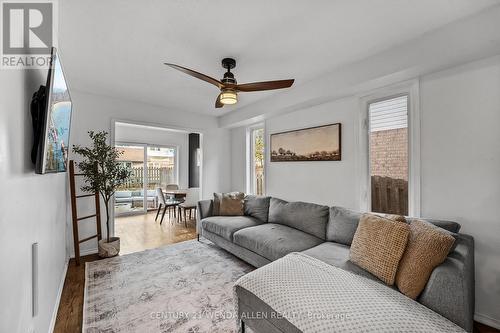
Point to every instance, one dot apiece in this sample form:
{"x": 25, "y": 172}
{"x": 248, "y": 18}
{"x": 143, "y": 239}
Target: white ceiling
{"x": 117, "y": 47}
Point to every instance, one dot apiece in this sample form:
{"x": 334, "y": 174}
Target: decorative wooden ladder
{"x": 76, "y": 238}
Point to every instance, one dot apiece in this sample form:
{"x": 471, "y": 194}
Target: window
{"x": 388, "y": 153}
{"x": 256, "y": 169}
{"x": 388, "y": 150}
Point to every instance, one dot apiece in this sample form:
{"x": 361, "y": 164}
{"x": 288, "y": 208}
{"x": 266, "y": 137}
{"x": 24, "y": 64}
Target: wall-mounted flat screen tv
{"x": 53, "y": 146}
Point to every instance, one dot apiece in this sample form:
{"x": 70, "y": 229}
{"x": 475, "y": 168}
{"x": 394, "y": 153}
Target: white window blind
{"x": 389, "y": 114}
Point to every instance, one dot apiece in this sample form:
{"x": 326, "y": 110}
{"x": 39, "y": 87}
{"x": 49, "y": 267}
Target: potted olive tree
{"x": 102, "y": 173}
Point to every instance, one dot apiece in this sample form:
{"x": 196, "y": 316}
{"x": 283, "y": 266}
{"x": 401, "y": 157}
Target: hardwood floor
{"x": 137, "y": 233}
{"x": 481, "y": 328}
{"x": 141, "y": 232}
{"x": 70, "y": 313}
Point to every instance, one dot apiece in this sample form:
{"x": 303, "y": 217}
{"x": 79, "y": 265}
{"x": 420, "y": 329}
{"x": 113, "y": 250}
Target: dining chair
{"x": 189, "y": 204}
{"x": 161, "y": 202}
{"x": 171, "y": 187}
{"x": 166, "y": 204}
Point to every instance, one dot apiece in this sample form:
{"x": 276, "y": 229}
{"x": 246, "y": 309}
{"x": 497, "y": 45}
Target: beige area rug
{"x": 184, "y": 287}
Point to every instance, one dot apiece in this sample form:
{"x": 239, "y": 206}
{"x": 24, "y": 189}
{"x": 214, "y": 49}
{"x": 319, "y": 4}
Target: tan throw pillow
{"x": 232, "y": 204}
{"x": 216, "y": 205}
{"x": 395, "y": 217}
{"x": 428, "y": 247}
{"x": 218, "y": 199}
{"x": 392, "y": 217}
{"x": 378, "y": 246}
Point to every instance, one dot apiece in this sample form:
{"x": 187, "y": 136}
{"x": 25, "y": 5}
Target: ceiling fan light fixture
{"x": 228, "y": 96}
{"x": 228, "y": 86}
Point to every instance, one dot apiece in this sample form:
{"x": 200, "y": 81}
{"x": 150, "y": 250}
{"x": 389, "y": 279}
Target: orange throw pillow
{"x": 428, "y": 246}
{"x": 378, "y": 245}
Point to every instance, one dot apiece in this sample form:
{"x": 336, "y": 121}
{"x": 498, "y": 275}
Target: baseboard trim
{"x": 58, "y": 298}
{"x": 84, "y": 315}
{"x": 484, "y": 319}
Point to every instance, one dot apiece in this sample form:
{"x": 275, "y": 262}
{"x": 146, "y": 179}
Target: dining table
{"x": 177, "y": 194}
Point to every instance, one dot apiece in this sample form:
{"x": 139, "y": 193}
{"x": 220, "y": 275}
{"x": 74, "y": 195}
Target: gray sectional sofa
{"x": 272, "y": 228}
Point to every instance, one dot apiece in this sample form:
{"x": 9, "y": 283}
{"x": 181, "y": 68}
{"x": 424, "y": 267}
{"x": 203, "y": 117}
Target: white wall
{"x": 158, "y": 136}
{"x": 238, "y": 159}
{"x": 94, "y": 112}
{"x": 460, "y": 162}
{"x": 32, "y": 209}
{"x": 460, "y": 145}
{"x": 329, "y": 183}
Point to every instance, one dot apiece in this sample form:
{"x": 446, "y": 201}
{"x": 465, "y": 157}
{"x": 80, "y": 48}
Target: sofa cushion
{"x": 343, "y": 222}
{"x": 337, "y": 255}
{"x": 342, "y": 225}
{"x": 378, "y": 246}
{"x": 446, "y": 225}
{"x": 307, "y": 217}
{"x": 226, "y": 226}
{"x": 257, "y": 206}
{"x": 273, "y": 241}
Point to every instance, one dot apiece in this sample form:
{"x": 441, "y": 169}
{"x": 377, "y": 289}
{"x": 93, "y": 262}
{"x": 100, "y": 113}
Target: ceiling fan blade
{"x": 268, "y": 85}
{"x": 218, "y": 103}
{"x": 197, "y": 75}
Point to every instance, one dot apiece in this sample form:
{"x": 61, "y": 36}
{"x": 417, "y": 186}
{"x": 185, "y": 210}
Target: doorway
{"x": 158, "y": 159}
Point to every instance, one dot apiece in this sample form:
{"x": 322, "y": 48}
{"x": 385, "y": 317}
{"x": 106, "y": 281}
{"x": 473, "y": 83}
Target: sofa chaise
{"x": 272, "y": 228}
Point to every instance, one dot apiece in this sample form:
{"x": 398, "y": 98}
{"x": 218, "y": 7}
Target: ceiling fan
{"x": 228, "y": 86}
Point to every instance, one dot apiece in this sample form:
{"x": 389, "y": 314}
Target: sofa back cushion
{"x": 123, "y": 194}
{"x": 257, "y": 206}
{"x": 446, "y": 225}
{"x": 342, "y": 225}
{"x": 343, "y": 222}
{"x": 307, "y": 217}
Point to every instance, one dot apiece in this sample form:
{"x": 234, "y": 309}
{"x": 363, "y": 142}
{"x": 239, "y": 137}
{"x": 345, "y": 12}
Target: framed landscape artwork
{"x": 321, "y": 143}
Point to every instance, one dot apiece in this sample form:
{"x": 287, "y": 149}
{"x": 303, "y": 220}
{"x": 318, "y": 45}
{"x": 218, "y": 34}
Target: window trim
{"x": 411, "y": 89}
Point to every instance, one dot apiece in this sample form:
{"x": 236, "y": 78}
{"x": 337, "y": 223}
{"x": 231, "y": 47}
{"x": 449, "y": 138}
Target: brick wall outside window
{"x": 389, "y": 153}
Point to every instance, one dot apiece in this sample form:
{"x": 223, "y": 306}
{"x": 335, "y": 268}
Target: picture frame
{"x": 319, "y": 143}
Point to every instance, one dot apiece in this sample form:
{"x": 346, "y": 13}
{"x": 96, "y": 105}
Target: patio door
{"x": 129, "y": 197}
{"x": 151, "y": 166}
{"x": 161, "y": 170}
